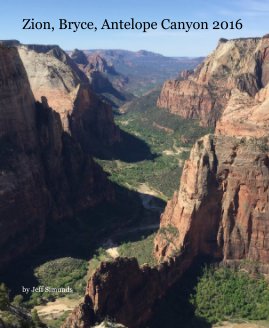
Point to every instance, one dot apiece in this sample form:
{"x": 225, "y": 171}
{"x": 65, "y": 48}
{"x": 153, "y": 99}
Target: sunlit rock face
{"x": 221, "y": 208}
{"x": 241, "y": 64}
{"x": 54, "y": 75}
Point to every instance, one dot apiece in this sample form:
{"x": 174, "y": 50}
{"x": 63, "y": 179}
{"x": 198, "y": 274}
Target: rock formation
{"x": 79, "y": 57}
{"x": 103, "y": 77}
{"x": 123, "y": 291}
{"x": 98, "y": 63}
{"x": 236, "y": 64}
{"x": 44, "y": 174}
{"x": 221, "y": 208}
{"x": 54, "y": 75}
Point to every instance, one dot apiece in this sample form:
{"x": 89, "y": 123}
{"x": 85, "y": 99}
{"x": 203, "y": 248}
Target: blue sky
{"x": 254, "y": 15}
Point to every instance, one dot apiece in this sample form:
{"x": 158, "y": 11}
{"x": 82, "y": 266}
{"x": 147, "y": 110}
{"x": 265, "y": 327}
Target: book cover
{"x": 134, "y": 166}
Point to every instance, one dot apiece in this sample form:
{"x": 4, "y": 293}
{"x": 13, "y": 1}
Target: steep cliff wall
{"x": 54, "y": 75}
{"x": 44, "y": 174}
{"x": 236, "y": 64}
{"x": 23, "y": 200}
{"x": 221, "y": 208}
{"x": 123, "y": 291}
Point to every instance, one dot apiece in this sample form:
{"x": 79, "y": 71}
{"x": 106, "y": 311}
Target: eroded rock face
{"x": 102, "y": 76}
{"x": 79, "y": 57}
{"x": 236, "y": 64}
{"x": 44, "y": 174}
{"x": 245, "y": 115}
{"x": 81, "y": 317}
{"x": 126, "y": 292}
{"x": 54, "y": 75}
{"x": 221, "y": 208}
{"x": 21, "y": 179}
{"x": 98, "y": 63}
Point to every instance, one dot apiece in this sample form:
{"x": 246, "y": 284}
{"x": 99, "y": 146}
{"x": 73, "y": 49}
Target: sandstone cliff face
{"x": 236, "y": 64}
{"x": 21, "y": 182}
{"x": 221, "y": 208}
{"x": 44, "y": 174}
{"x": 125, "y": 292}
{"x": 54, "y": 75}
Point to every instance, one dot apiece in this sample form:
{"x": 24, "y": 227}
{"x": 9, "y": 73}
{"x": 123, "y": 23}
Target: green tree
{"x": 4, "y": 299}
{"x": 18, "y": 300}
{"x": 36, "y": 320}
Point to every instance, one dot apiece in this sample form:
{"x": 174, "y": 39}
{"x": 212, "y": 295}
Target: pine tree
{"x": 4, "y": 299}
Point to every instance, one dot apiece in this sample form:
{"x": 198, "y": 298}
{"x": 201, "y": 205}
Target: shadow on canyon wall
{"x": 81, "y": 236}
{"x": 175, "y": 309}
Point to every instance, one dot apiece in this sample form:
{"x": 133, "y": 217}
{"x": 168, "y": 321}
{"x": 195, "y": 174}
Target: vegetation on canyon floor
{"x": 211, "y": 296}
{"x": 63, "y": 273}
{"x": 63, "y": 259}
{"x": 223, "y": 294}
{"x": 169, "y": 139}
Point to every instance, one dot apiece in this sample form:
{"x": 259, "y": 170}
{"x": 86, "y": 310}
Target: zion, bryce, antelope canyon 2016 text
{"x": 131, "y": 24}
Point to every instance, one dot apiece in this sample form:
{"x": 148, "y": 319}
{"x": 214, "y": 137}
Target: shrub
{"x": 142, "y": 250}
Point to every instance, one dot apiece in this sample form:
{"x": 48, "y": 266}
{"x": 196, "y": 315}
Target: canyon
{"x": 221, "y": 208}
{"x": 135, "y": 73}
{"x": 52, "y": 124}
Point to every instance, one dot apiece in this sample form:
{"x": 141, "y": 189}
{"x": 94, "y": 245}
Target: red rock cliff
{"x": 123, "y": 291}
{"x": 221, "y": 208}
{"x": 236, "y": 64}
{"x": 44, "y": 174}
